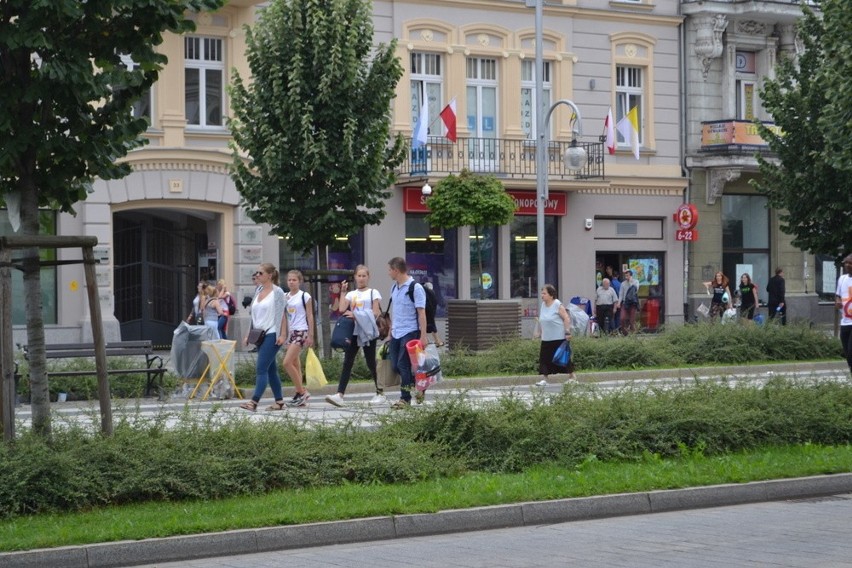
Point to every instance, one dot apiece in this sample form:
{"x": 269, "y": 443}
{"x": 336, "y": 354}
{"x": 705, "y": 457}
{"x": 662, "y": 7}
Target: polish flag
{"x": 609, "y": 126}
{"x": 448, "y": 115}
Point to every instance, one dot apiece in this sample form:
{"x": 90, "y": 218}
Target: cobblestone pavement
{"x": 806, "y": 533}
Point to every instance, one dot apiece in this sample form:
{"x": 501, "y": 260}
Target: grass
{"x": 350, "y": 501}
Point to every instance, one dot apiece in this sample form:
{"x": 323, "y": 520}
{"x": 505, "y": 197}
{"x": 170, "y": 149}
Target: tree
{"x": 470, "y": 200}
{"x": 65, "y": 115}
{"x": 812, "y": 195}
{"x": 837, "y": 116}
{"x": 313, "y": 154}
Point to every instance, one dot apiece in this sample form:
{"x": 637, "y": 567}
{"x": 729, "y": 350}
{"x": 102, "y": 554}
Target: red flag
{"x": 610, "y": 132}
{"x": 448, "y": 115}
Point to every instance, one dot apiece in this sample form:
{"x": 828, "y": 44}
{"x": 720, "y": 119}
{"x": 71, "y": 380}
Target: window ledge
{"x": 643, "y": 6}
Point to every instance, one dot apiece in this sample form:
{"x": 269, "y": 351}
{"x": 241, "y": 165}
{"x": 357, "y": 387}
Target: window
{"x": 482, "y": 112}
{"x": 529, "y": 106}
{"x": 430, "y": 256}
{"x": 49, "y": 286}
{"x": 628, "y": 94}
{"x": 483, "y": 264}
{"x": 746, "y": 84}
{"x": 426, "y": 80}
{"x": 204, "y": 76}
{"x": 745, "y": 240}
{"x": 142, "y": 107}
{"x": 524, "y": 255}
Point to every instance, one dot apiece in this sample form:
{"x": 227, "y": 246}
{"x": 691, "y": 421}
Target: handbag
{"x": 563, "y": 354}
{"x": 256, "y": 336}
{"x": 385, "y": 377}
{"x": 383, "y": 324}
{"x": 341, "y": 335}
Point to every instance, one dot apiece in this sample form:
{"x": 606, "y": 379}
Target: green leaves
{"x": 314, "y": 122}
{"x": 470, "y": 200}
{"x": 810, "y": 100}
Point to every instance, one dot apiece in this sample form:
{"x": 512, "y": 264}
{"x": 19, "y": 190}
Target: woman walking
{"x": 300, "y": 328}
{"x": 195, "y": 317}
{"x": 748, "y": 296}
{"x": 225, "y": 301}
{"x": 212, "y": 310}
{"x": 267, "y": 314}
{"x": 554, "y": 327}
{"x": 721, "y": 295}
{"x": 362, "y": 305}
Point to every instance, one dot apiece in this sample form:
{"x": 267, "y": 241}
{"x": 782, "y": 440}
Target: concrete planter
{"x": 480, "y": 324}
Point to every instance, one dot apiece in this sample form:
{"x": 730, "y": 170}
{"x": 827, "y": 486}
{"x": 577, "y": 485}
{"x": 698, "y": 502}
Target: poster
{"x": 645, "y": 270}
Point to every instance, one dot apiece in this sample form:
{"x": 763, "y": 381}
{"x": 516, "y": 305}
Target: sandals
{"x": 277, "y": 405}
{"x": 249, "y": 405}
{"x": 440, "y": 344}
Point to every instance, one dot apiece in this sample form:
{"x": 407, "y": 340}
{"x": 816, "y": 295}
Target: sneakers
{"x": 299, "y": 399}
{"x": 335, "y": 399}
{"x": 400, "y": 405}
{"x": 541, "y": 383}
{"x": 377, "y": 400}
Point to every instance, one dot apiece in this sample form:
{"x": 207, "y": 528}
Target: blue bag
{"x": 342, "y": 335}
{"x": 563, "y": 354}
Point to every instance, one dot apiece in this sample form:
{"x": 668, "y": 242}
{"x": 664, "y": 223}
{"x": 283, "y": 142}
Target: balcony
{"x": 503, "y": 157}
{"x": 733, "y": 137}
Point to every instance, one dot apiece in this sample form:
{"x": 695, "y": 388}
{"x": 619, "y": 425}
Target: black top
{"x": 747, "y": 295}
{"x": 776, "y": 289}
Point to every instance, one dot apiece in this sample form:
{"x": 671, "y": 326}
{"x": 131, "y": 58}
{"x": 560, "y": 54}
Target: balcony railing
{"x": 502, "y": 157}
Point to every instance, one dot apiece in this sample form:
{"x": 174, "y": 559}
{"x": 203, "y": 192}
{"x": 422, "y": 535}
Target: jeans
{"x": 846, "y": 343}
{"x": 223, "y": 322}
{"x": 267, "y": 369}
{"x": 401, "y": 363}
{"x": 349, "y": 362}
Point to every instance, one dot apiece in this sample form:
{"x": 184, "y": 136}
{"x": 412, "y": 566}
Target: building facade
{"x": 732, "y": 48}
{"x": 177, "y": 217}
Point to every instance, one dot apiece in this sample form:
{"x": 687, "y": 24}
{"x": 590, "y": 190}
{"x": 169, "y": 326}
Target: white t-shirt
{"x": 297, "y": 317}
{"x": 362, "y": 300}
{"x": 844, "y": 290}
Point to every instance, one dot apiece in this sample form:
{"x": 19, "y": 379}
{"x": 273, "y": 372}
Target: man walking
{"x": 776, "y": 287}
{"x": 628, "y": 298}
{"x": 408, "y": 322}
{"x": 606, "y": 302}
{"x": 843, "y": 302}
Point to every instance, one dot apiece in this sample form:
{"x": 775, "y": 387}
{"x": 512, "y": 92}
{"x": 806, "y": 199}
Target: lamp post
{"x": 575, "y": 156}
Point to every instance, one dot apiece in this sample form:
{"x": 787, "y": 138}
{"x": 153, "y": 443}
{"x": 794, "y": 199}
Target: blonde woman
{"x": 299, "y": 323}
{"x": 362, "y": 305}
{"x": 267, "y": 313}
{"x": 212, "y": 310}
{"x": 194, "y": 317}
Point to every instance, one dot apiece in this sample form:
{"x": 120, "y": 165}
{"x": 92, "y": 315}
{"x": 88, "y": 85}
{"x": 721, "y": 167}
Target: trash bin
{"x": 652, "y": 313}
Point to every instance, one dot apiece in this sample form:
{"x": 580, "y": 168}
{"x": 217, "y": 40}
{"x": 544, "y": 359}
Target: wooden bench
{"x": 153, "y": 368}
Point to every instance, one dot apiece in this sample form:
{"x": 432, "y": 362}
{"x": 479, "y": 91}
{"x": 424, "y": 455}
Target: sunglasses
{"x": 258, "y": 274}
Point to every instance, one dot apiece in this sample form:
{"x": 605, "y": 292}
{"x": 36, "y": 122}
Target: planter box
{"x": 479, "y": 324}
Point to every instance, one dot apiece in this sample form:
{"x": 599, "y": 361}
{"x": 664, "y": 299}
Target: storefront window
{"x": 524, "y": 255}
{"x": 430, "y": 254}
{"x": 649, "y": 270}
{"x": 745, "y": 239}
{"x": 483, "y": 264}
{"x": 47, "y": 226}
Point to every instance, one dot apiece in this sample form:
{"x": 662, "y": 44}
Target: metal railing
{"x": 503, "y": 157}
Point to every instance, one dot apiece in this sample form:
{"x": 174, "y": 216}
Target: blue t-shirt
{"x": 404, "y": 313}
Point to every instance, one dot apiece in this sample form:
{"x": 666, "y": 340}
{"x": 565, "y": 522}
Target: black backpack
{"x": 232, "y": 305}
{"x": 431, "y": 301}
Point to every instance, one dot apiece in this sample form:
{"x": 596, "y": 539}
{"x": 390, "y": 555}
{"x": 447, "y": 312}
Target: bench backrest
{"x": 117, "y": 349}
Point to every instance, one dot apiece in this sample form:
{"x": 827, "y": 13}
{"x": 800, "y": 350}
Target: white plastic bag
{"x": 703, "y": 310}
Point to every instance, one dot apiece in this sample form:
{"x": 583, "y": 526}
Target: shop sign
{"x": 734, "y": 133}
{"x": 686, "y": 218}
{"x": 525, "y": 202}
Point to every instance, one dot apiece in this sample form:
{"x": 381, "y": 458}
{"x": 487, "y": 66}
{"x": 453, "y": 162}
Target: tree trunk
{"x": 39, "y": 388}
{"x": 323, "y": 319}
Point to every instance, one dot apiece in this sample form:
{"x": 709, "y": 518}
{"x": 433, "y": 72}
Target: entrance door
{"x": 154, "y": 274}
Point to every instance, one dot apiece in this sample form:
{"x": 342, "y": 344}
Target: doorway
{"x": 649, "y": 269}
{"x": 155, "y": 273}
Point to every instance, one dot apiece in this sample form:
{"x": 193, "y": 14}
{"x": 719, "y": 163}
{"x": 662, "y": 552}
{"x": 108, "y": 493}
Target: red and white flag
{"x": 609, "y": 126}
{"x": 448, "y": 115}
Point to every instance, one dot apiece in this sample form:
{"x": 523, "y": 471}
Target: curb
{"x": 248, "y": 541}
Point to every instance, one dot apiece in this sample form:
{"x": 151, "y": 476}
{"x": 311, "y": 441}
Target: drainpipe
{"x": 685, "y": 172}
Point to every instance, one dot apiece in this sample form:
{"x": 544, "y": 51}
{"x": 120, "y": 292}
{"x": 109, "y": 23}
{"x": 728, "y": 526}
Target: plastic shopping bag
{"x": 425, "y": 363}
{"x": 563, "y": 354}
{"x": 314, "y": 375}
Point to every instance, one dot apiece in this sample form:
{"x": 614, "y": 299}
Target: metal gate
{"x": 154, "y": 272}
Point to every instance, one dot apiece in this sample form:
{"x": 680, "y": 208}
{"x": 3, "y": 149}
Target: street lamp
{"x": 574, "y": 158}
{"x": 426, "y": 190}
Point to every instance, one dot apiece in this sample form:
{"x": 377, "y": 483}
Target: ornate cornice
{"x": 716, "y": 180}
{"x": 708, "y": 39}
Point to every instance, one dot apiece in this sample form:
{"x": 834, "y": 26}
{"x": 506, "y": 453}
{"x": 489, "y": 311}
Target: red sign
{"x": 686, "y": 235}
{"x": 686, "y": 216}
{"x": 525, "y": 202}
